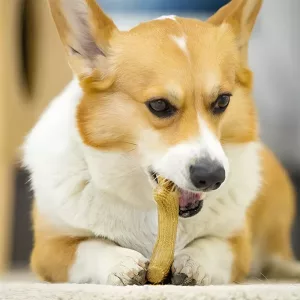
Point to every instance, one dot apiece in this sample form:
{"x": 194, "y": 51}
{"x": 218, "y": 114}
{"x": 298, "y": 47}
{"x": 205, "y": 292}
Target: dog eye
{"x": 161, "y": 108}
{"x": 220, "y": 105}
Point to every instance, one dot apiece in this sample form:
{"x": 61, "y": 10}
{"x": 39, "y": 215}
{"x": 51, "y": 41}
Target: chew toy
{"x": 166, "y": 197}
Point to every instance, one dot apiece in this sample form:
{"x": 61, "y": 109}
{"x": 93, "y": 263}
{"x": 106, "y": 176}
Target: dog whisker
{"x": 214, "y": 211}
{"x": 125, "y": 174}
{"x": 129, "y": 143}
{"x": 220, "y": 200}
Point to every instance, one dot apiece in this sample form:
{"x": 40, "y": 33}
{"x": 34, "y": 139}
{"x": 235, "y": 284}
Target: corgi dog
{"x": 171, "y": 97}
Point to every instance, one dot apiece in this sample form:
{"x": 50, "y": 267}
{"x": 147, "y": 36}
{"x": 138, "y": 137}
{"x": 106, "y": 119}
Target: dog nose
{"x": 207, "y": 175}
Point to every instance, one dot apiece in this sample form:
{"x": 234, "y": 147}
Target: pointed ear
{"x": 241, "y": 16}
{"x": 85, "y": 32}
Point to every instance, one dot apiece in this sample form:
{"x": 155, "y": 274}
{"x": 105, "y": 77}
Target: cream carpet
{"x": 38, "y": 291}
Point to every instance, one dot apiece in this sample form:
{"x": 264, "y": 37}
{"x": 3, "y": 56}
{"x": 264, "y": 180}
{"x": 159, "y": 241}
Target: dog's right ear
{"x": 85, "y": 31}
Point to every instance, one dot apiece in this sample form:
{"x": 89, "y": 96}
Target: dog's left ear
{"x": 241, "y": 16}
{"x": 86, "y": 32}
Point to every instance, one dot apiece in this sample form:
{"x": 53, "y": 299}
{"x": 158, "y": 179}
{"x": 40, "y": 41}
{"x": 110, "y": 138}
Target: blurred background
{"x": 33, "y": 70}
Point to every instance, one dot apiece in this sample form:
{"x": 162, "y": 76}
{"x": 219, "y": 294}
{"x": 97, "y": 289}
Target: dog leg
{"x": 205, "y": 261}
{"x": 66, "y": 259}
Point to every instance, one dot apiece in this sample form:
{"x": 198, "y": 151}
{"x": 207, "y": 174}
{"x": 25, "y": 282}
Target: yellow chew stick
{"x": 168, "y": 209}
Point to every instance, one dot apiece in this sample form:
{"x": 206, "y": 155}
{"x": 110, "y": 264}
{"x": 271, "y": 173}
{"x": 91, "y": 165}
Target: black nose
{"x": 207, "y": 175}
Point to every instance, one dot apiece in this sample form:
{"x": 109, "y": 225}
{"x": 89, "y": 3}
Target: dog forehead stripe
{"x": 181, "y": 43}
{"x": 171, "y": 17}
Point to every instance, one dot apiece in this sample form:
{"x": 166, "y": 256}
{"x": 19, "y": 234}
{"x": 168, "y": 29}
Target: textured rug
{"x": 38, "y": 291}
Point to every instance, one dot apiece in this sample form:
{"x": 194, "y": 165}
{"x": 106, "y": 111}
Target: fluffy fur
{"x": 89, "y": 155}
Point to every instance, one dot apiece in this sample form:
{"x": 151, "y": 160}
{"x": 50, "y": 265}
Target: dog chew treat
{"x": 166, "y": 197}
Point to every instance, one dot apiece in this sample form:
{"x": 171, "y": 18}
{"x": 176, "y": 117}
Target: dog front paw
{"x": 189, "y": 270}
{"x": 186, "y": 271}
{"x": 131, "y": 270}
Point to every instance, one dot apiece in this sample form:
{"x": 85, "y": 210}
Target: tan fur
{"x": 146, "y": 63}
{"x": 53, "y": 253}
{"x": 272, "y": 214}
{"x": 269, "y": 222}
{"x": 52, "y": 257}
{"x": 241, "y": 246}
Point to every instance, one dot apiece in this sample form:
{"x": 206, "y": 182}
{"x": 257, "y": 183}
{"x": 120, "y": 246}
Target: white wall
{"x": 274, "y": 57}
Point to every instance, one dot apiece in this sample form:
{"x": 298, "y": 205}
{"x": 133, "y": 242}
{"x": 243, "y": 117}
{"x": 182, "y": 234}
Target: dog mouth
{"x": 190, "y": 203}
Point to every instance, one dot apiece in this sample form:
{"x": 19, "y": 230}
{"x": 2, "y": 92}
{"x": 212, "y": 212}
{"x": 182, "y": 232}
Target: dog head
{"x": 173, "y": 90}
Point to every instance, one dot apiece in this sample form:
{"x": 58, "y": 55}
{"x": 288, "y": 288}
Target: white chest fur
{"x": 223, "y": 212}
{"x": 84, "y": 191}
